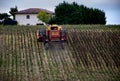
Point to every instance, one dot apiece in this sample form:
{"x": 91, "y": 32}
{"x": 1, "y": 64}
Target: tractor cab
{"x": 54, "y": 33}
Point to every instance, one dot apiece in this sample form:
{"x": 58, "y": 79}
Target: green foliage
{"x": 66, "y": 13}
{"x": 4, "y": 16}
{"x": 12, "y": 11}
{"x": 44, "y": 16}
{"x": 52, "y": 20}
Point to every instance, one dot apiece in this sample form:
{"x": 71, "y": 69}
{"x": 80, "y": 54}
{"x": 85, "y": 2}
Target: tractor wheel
{"x": 38, "y": 33}
{"x": 64, "y": 34}
{"x": 38, "y": 40}
{"x": 63, "y": 45}
{"x": 46, "y": 46}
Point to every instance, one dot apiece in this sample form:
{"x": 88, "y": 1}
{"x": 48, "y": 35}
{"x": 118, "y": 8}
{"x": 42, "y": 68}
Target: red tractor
{"x": 52, "y": 33}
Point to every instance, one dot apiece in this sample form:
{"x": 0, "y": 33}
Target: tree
{"x": 43, "y": 16}
{"x": 66, "y": 13}
{"x": 12, "y": 11}
{"x": 52, "y": 20}
{"x": 4, "y": 16}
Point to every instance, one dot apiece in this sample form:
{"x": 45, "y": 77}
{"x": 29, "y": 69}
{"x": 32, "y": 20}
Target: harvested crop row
{"x": 89, "y": 55}
{"x": 92, "y": 51}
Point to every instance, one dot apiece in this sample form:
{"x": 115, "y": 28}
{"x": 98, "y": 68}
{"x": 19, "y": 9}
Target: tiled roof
{"x": 33, "y": 11}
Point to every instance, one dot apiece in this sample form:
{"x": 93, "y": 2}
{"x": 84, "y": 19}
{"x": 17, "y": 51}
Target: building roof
{"x": 33, "y": 11}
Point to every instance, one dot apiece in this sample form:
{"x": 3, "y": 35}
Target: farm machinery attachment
{"x": 52, "y": 33}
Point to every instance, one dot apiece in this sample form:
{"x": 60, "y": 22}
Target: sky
{"x": 110, "y": 7}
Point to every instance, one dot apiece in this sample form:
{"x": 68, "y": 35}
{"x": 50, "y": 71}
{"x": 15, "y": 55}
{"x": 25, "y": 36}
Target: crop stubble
{"x": 88, "y": 55}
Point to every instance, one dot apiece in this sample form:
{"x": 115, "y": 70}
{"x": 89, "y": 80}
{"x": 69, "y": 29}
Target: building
{"x": 29, "y": 16}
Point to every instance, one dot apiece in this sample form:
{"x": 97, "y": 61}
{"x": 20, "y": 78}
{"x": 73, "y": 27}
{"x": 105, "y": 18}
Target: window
{"x": 54, "y": 28}
{"x": 28, "y": 17}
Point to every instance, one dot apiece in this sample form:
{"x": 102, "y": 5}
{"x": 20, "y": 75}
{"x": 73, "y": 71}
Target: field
{"x": 92, "y": 53}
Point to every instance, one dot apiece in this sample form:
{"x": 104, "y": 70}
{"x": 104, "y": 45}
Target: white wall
{"x": 22, "y": 19}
